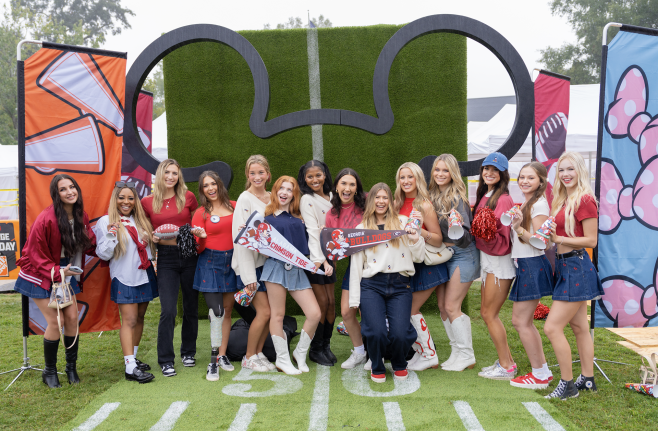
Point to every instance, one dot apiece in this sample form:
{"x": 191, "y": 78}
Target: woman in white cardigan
{"x": 380, "y": 283}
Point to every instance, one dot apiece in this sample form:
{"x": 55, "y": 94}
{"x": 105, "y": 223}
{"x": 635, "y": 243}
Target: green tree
{"x": 155, "y": 84}
{"x": 73, "y": 22}
{"x": 582, "y": 60}
{"x": 320, "y": 21}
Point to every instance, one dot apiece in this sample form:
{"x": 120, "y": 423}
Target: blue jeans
{"x": 382, "y": 296}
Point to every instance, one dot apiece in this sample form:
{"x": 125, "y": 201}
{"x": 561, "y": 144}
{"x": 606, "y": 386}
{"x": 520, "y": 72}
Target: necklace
{"x": 166, "y": 201}
{"x": 347, "y": 207}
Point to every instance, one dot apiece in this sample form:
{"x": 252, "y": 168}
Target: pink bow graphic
{"x": 622, "y": 202}
{"x": 627, "y": 115}
{"x": 628, "y": 304}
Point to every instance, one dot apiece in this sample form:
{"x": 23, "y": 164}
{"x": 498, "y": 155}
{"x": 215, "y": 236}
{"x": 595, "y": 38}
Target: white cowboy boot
{"x": 461, "y": 329}
{"x": 299, "y": 354}
{"x": 453, "y": 344}
{"x": 282, "y": 356}
{"x": 428, "y": 358}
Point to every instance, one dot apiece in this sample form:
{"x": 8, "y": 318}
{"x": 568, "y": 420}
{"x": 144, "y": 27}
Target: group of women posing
{"x": 388, "y": 283}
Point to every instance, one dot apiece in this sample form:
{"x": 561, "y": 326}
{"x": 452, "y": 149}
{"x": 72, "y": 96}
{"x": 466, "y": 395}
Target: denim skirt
{"x": 467, "y": 260}
{"x": 35, "y": 291}
{"x": 534, "y": 279}
{"x": 214, "y": 273}
{"x": 576, "y": 279}
{"x": 289, "y": 276}
{"x": 261, "y": 286}
{"x": 124, "y": 294}
{"x": 428, "y": 276}
{"x": 346, "y": 278}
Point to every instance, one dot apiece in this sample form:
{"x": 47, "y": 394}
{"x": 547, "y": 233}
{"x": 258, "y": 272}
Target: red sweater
{"x": 43, "y": 250}
{"x": 349, "y": 218}
{"x": 219, "y": 236}
{"x": 171, "y": 215}
{"x": 501, "y": 244}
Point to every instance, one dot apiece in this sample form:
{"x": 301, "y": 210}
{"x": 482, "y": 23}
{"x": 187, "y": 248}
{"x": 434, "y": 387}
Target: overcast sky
{"x": 527, "y": 24}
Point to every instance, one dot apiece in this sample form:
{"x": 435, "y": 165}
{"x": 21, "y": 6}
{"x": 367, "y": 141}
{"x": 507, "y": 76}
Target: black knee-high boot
{"x": 49, "y": 375}
{"x": 316, "y": 352}
{"x": 328, "y": 332}
{"x": 71, "y": 359}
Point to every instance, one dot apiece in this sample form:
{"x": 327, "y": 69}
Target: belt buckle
{"x": 287, "y": 266}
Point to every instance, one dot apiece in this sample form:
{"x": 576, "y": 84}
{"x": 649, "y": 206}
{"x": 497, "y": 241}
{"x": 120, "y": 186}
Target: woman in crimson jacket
{"x": 59, "y": 238}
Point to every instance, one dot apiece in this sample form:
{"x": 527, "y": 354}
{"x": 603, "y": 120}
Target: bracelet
{"x": 562, "y": 241}
{"x": 428, "y": 237}
{"x": 522, "y": 233}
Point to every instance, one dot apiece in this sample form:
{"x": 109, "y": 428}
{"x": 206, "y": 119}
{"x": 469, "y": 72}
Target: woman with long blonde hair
{"x": 448, "y": 192}
{"x": 412, "y": 200}
{"x": 248, "y": 264}
{"x": 576, "y": 281}
{"x": 283, "y": 214}
{"x": 380, "y": 283}
{"x": 124, "y": 239}
{"x": 172, "y": 203}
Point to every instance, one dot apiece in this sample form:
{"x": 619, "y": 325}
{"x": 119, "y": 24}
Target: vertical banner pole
{"x": 22, "y": 220}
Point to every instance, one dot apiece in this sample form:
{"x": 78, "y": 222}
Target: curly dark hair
{"x": 301, "y": 178}
{"x": 76, "y": 240}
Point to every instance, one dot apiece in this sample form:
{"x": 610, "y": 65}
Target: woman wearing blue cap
{"x": 496, "y": 266}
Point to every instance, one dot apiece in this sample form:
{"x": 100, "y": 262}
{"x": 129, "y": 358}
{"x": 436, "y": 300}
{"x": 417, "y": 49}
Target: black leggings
{"x": 215, "y": 302}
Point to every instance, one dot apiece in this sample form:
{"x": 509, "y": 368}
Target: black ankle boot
{"x": 71, "y": 359}
{"x": 328, "y": 332}
{"x": 49, "y": 375}
{"x": 316, "y": 352}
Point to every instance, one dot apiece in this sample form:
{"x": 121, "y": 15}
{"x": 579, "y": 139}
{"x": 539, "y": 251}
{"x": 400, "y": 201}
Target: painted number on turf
{"x": 283, "y": 384}
{"x": 356, "y": 381}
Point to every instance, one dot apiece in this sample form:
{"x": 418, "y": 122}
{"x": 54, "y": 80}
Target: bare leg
{"x": 455, "y": 292}
{"x": 259, "y": 326}
{"x": 349, "y": 319}
{"x": 492, "y": 300}
{"x": 331, "y": 304}
{"x": 309, "y": 305}
{"x": 441, "y": 300}
{"x": 522, "y": 319}
{"x": 228, "y": 301}
{"x": 139, "y": 327}
{"x": 419, "y": 298}
{"x": 561, "y": 314}
{"x": 276, "y": 295}
{"x": 580, "y": 326}
{"x": 128, "y": 324}
{"x": 69, "y": 319}
{"x": 321, "y": 298}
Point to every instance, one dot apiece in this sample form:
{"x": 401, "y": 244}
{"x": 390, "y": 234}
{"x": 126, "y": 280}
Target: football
{"x": 551, "y": 137}
{"x": 167, "y": 231}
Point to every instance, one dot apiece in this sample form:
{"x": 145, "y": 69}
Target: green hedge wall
{"x": 209, "y": 97}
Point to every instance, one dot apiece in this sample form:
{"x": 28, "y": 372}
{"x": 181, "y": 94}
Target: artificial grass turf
{"x": 30, "y": 405}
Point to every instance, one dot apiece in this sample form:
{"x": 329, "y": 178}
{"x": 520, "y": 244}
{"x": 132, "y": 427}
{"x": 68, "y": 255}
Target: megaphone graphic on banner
{"x": 74, "y": 146}
{"x": 76, "y": 79}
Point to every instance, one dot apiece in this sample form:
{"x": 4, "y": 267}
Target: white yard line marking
{"x": 169, "y": 418}
{"x": 357, "y": 381}
{"x": 393, "y": 417}
{"x": 320, "y": 405}
{"x": 243, "y": 417}
{"x": 542, "y": 416}
{"x": 98, "y": 417}
{"x": 465, "y": 412}
{"x": 314, "y": 89}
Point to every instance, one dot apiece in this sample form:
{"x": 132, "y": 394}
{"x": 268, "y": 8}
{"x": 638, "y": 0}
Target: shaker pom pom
{"x": 186, "y": 242}
{"x": 484, "y": 224}
{"x": 541, "y": 312}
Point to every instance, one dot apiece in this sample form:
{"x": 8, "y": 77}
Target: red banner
{"x": 74, "y": 124}
{"x": 130, "y": 170}
{"x": 551, "y": 119}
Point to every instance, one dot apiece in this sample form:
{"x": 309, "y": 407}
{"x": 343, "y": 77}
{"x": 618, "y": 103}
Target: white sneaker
{"x": 225, "y": 364}
{"x": 212, "y": 375}
{"x": 254, "y": 363}
{"x": 498, "y": 373}
{"x": 368, "y": 365}
{"x": 263, "y": 359}
{"x": 354, "y": 360}
{"x": 489, "y": 368}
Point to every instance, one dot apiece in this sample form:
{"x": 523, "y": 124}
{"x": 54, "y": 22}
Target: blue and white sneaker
{"x": 168, "y": 370}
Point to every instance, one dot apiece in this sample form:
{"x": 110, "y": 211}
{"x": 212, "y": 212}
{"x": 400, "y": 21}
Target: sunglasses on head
{"x": 122, "y": 184}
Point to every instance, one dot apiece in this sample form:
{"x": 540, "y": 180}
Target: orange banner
{"x": 74, "y": 124}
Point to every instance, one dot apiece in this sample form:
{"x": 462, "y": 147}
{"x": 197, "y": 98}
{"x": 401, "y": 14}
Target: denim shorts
{"x": 428, "y": 276}
{"x": 467, "y": 260}
{"x": 35, "y": 291}
{"x": 124, "y": 294}
{"x": 576, "y": 279}
{"x": 346, "y": 278}
{"x": 292, "y": 278}
{"x": 261, "y": 286}
{"x": 502, "y": 267}
{"x": 214, "y": 273}
{"x": 534, "y": 279}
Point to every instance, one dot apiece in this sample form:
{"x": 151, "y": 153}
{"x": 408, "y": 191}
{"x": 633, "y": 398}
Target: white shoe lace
{"x": 559, "y": 391}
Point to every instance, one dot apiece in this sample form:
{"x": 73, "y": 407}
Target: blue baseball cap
{"x": 497, "y": 160}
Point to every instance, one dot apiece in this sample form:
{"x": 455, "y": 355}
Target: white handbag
{"x": 436, "y": 255}
{"x": 62, "y": 296}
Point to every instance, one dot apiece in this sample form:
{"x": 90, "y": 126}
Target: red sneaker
{"x": 400, "y": 375}
{"x": 378, "y": 378}
{"x": 529, "y": 381}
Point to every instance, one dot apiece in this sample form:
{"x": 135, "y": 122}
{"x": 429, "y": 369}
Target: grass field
{"x": 430, "y": 402}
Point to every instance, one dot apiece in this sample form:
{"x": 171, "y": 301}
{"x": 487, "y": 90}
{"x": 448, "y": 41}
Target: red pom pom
{"x": 484, "y": 224}
{"x": 541, "y": 312}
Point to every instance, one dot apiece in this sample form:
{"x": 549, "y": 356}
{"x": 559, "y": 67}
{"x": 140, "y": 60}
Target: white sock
{"x": 130, "y": 363}
{"x": 361, "y": 350}
{"x": 538, "y": 373}
{"x": 135, "y": 350}
{"x": 546, "y": 371}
